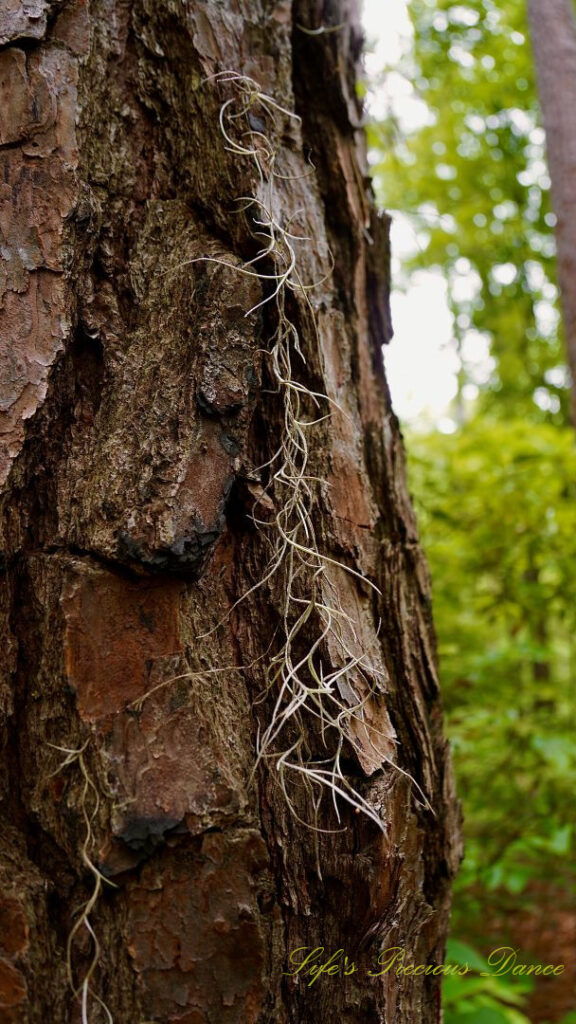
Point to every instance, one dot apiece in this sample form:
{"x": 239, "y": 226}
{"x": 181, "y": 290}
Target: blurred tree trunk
{"x": 136, "y": 402}
{"x": 553, "y": 32}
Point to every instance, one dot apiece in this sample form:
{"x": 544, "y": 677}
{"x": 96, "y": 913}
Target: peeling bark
{"x": 136, "y": 406}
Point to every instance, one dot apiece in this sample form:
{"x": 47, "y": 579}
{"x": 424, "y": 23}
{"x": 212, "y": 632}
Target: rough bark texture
{"x": 135, "y": 404}
{"x": 553, "y": 32}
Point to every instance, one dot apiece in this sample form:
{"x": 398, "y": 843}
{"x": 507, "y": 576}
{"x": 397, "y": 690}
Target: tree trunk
{"x": 138, "y": 403}
{"x": 553, "y": 32}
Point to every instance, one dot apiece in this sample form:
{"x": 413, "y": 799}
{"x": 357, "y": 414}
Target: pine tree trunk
{"x": 138, "y": 402}
{"x": 553, "y": 32}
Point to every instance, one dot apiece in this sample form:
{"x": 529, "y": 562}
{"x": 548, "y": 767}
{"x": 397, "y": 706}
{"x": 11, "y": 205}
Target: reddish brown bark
{"x": 137, "y": 404}
{"x": 553, "y": 32}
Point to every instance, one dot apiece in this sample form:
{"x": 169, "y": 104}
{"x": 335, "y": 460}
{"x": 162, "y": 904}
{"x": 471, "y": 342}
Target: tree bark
{"x": 137, "y": 404}
{"x": 553, "y": 33}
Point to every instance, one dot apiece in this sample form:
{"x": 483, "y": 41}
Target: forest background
{"x": 495, "y": 488}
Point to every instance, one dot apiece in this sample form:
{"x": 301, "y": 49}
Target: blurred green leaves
{"x": 497, "y": 510}
{"x": 474, "y": 999}
{"x": 474, "y": 182}
{"x": 496, "y": 499}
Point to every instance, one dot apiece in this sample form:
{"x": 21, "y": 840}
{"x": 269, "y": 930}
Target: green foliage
{"x": 497, "y": 510}
{"x": 496, "y": 499}
{"x": 476, "y": 999}
{"x": 473, "y": 999}
{"x": 474, "y": 180}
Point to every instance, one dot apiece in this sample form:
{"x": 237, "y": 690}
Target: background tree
{"x": 139, "y": 400}
{"x": 553, "y": 33}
